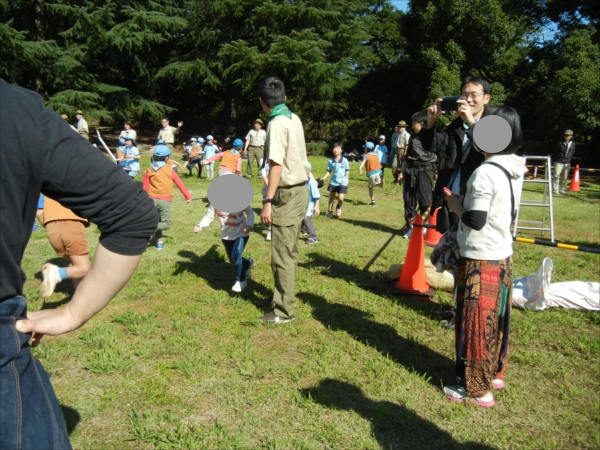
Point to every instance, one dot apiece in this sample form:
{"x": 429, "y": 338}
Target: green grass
{"x": 177, "y": 361}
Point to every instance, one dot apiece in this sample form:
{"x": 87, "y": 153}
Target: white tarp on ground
{"x": 537, "y": 292}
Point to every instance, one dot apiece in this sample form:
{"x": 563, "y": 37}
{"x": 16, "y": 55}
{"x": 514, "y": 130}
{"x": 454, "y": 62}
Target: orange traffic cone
{"x": 575, "y": 181}
{"x": 433, "y": 236}
{"x": 412, "y": 279}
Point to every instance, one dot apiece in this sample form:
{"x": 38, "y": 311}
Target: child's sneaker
{"x": 268, "y": 237}
{"x": 249, "y": 269}
{"x": 311, "y": 241}
{"x": 51, "y": 277}
{"x": 338, "y": 212}
{"x": 160, "y": 245}
{"x": 455, "y": 393}
{"x": 498, "y": 384}
{"x": 239, "y": 286}
{"x": 330, "y": 214}
{"x": 372, "y": 202}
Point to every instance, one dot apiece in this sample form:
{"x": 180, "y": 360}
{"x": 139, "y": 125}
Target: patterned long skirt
{"x": 483, "y": 305}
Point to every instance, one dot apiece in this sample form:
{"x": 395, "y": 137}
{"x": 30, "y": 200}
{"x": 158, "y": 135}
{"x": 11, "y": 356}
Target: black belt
{"x": 293, "y": 186}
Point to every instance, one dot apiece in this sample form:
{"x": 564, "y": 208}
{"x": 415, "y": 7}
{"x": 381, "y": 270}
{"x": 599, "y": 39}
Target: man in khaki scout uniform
{"x": 286, "y": 200}
{"x": 167, "y": 133}
{"x": 82, "y": 125}
{"x": 255, "y": 146}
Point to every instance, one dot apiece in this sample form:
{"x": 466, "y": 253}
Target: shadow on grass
{"x": 339, "y": 270}
{"x": 408, "y": 352}
{"x": 373, "y": 225}
{"x": 72, "y": 417}
{"x": 220, "y": 276}
{"x": 394, "y": 426}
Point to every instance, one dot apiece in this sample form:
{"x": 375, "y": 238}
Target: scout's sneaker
{"x": 372, "y": 202}
{"x": 408, "y": 234}
{"x": 330, "y": 214}
{"x": 249, "y": 269}
{"x": 239, "y": 286}
{"x": 338, "y": 212}
{"x": 50, "y": 278}
{"x": 160, "y": 245}
{"x": 274, "y": 318}
{"x": 311, "y": 241}
{"x": 268, "y": 237}
{"x": 498, "y": 384}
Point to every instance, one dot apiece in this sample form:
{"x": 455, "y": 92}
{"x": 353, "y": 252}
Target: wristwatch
{"x": 267, "y": 200}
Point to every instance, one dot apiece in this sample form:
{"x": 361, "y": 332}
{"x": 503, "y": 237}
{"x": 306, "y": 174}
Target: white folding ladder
{"x": 545, "y": 203}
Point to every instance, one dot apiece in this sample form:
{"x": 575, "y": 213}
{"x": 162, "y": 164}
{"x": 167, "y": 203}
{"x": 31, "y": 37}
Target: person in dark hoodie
{"x": 483, "y": 292}
{"x": 454, "y": 145}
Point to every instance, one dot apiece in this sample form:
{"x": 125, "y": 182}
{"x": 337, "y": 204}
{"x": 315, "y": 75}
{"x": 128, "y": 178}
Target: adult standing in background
{"x": 255, "y": 145}
{"x": 401, "y": 147}
{"x": 286, "y": 200}
{"x": 562, "y": 162}
{"x": 128, "y": 131}
{"x": 82, "y": 125}
{"x": 393, "y": 148}
{"x": 52, "y": 162}
{"x": 167, "y": 133}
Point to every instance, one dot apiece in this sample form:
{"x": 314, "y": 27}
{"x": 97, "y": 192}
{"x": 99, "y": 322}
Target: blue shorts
{"x": 338, "y": 189}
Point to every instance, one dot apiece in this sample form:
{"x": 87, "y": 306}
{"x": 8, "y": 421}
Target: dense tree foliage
{"x": 353, "y": 67}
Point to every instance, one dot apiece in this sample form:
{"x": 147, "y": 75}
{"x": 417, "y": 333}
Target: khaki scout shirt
{"x": 167, "y": 134}
{"x": 286, "y": 146}
{"x": 82, "y": 126}
{"x": 256, "y": 137}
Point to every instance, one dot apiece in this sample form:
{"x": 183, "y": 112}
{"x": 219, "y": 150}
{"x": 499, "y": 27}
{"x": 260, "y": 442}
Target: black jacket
{"x": 40, "y": 152}
{"x": 562, "y": 154}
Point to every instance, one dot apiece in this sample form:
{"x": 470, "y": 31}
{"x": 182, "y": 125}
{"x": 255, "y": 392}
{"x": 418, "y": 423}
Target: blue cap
{"x": 200, "y": 139}
{"x": 209, "y": 137}
{"x": 369, "y": 145}
{"x": 128, "y": 138}
{"x": 238, "y": 143}
{"x": 160, "y": 142}
{"x": 161, "y": 150}
{"x": 193, "y": 139}
{"x": 121, "y": 141}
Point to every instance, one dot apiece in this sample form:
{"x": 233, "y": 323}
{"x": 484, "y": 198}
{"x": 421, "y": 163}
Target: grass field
{"x": 177, "y": 361}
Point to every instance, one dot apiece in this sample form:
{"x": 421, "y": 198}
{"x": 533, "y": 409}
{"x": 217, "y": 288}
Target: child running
{"x": 195, "y": 157}
{"x": 314, "y": 198}
{"x": 158, "y": 182}
{"x": 339, "y": 169}
{"x": 234, "y": 235}
{"x": 231, "y": 160}
{"x": 66, "y": 233}
{"x": 373, "y": 169}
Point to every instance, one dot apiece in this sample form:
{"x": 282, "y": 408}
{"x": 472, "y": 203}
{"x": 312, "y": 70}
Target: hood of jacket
{"x": 513, "y": 164}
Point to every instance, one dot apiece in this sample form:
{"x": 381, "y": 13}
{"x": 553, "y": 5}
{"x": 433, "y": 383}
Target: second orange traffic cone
{"x": 575, "y": 181}
{"x": 412, "y": 280}
{"x": 432, "y": 237}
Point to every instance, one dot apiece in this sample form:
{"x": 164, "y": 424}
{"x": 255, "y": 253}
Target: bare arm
{"x": 107, "y": 276}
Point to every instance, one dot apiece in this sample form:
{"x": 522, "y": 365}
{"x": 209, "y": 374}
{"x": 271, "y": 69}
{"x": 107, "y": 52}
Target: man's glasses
{"x": 469, "y": 95}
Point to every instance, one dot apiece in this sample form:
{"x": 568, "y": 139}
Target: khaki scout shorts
{"x": 375, "y": 180}
{"x": 68, "y": 237}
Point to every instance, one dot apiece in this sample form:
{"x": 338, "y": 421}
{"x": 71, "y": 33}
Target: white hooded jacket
{"x": 488, "y": 190}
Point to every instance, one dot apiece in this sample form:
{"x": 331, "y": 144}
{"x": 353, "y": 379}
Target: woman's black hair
{"x": 513, "y": 119}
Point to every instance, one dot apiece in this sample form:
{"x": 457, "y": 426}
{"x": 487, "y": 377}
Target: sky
{"x": 400, "y": 4}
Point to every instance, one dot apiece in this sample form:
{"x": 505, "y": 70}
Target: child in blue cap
{"x": 210, "y": 149}
{"x": 374, "y": 172}
{"x": 158, "y": 182}
{"x": 231, "y": 160}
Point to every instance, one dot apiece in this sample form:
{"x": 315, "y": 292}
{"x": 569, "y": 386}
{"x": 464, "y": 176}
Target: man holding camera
{"x": 454, "y": 145}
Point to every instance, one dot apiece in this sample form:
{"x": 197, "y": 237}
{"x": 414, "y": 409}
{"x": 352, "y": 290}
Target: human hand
{"x": 180, "y": 123}
{"x": 197, "y": 229}
{"x": 360, "y": 171}
{"x": 401, "y": 178}
{"x": 247, "y": 229}
{"x": 48, "y": 321}
{"x": 433, "y": 112}
{"x": 465, "y": 112}
{"x": 316, "y": 211}
{"x": 265, "y": 215}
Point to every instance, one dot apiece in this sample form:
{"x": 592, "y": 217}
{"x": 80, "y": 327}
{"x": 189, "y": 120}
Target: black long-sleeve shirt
{"x": 39, "y": 152}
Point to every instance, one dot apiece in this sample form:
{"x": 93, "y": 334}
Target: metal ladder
{"x": 546, "y": 201}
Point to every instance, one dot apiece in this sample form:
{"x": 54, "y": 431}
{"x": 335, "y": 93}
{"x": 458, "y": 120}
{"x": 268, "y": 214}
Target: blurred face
{"x": 381, "y": 141}
{"x": 78, "y": 116}
{"x": 396, "y": 128}
{"x": 257, "y": 126}
{"x": 128, "y": 142}
{"x": 164, "y": 122}
{"x": 127, "y": 126}
{"x": 568, "y": 137}
{"x": 417, "y": 126}
{"x": 402, "y": 129}
{"x": 476, "y": 99}
{"x": 337, "y": 151}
